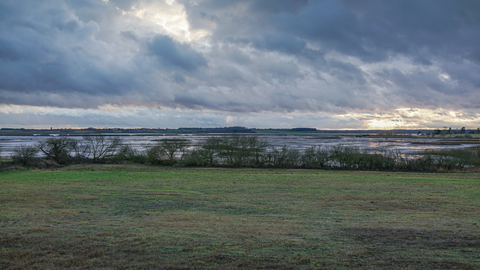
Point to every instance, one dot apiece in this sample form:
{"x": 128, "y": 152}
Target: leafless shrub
{"x": 101, "y": 147}
{"x": 24, "y": 154}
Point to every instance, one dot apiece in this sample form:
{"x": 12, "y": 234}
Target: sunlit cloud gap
{"x": 171, "y": 17}
{"x": 405, "y": 118}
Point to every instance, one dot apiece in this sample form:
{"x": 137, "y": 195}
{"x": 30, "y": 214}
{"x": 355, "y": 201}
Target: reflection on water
{"x": 299, "y": 141}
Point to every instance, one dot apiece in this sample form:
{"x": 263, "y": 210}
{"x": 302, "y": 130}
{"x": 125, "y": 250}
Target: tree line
{"x": 234, "y": 151}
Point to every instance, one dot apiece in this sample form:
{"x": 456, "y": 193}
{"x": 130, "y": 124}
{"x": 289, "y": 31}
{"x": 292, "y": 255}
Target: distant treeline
{"x": 217, "y": 130}
{"x": 234, "y": 151}
{"x": 226, "y": 130}
{"x": 70, "y": 131}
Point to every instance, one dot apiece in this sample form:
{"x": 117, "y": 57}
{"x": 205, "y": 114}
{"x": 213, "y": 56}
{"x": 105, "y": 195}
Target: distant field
{"x": 132, "y": 216}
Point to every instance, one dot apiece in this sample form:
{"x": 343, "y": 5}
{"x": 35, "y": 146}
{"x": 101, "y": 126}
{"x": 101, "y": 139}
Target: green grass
{"x": 141, "y": 217}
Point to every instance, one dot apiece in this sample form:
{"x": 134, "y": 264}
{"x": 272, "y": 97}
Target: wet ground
{"x": 299, "y": 141}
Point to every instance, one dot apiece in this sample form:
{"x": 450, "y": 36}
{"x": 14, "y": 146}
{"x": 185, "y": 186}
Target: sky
{"x": 327, "y": 64}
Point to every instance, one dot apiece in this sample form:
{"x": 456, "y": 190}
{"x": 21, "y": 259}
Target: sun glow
{"x": 403, "y": 118}
{"x": 388, "y": 124}
{"x": 420, "y": 118}
{"x": 172, "y": 18}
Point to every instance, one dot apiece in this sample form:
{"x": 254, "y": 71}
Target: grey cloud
{"x": 466, "y": 74}
{"x": 370, "y": 30}
{"x": 334, "y": 27}
{"x": 346, "y": 72}
{"x": 283, "y": 43}
{"x": 48, "y": 53}
{"x": 279, "y": 42}
{"x": 421, "y": 60}
{"x": 430, "y": 33}
{"x": 234, "y": 55}
{"x": 125, "y": 4}
{"x": 276, "y": 6}
{"x": 8, "y": 52}
{"x": 129, "y": 35}
{"x": 264, "y": 6}
{"x": 174, "y": 54}
{"x": 178, "y": 78}
{"x": 259, "y": 56}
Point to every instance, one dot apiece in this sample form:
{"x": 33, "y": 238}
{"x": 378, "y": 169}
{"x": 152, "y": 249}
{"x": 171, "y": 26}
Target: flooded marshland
{"x": 297, "y": 141}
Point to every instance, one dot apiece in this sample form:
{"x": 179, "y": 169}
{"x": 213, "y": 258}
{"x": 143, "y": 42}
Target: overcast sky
{"x": 329, "y": 64}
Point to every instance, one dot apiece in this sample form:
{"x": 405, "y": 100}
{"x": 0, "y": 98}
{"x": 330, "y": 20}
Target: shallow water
{"x": 298, "y": 141}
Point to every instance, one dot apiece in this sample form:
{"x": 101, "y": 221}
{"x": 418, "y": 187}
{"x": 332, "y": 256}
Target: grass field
{"x": 146, "y": 217}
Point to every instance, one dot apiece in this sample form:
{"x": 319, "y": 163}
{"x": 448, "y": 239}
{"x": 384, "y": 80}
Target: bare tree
{"x": 209, "y": 149}
{"x": 241, "y": 150}
{"x": 24, "y": 154}
{"x": 101, "y": 147}
{"x": 165, "y": 151}
{"x": 256, "y": 147}
{"x": 284, "y": 157}
{"x": 173, "y": 146}
{"x": 315, "y": 157}
{"x": 57, "y": 149}
{"x": 80, "y": 151}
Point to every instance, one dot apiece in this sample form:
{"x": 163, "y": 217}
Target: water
{"x": 298, "y": 141}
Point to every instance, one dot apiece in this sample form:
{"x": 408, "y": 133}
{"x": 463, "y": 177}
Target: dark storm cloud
{"x": 370, "y": 30}
{"x": 278, "y": 42}
{"x": 45, "y": 48}
{"x": 65, "y": 54}
{"x": 257, "y": 56}
{"x": 442, "y": 36}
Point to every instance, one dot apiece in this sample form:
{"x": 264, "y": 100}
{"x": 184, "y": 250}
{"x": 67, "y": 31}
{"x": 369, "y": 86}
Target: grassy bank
{"x": 133, "y": 216}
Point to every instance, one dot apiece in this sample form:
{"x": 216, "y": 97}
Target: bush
{"x": 127, "y": 153}
{"x": 243, "y": 151}
{"x": 166, "y": 151}
{"x": 284, "y": 157}
{"x": 315, "y": 157}
{"x": 456, "y": 158}
{"x": 101, "y": 147}
{"x": 207, "y": 153}
{"x": 232, "y": 151}
{"x": 155, "y": 154}
{"x": 57, "y": 149}
{"x": 229, "y": 150}
{"x": 24, "y": 154}
{"x": 346, "y": 157}
{"x": 199, "y": 157}
{"x": 375, "y": 162}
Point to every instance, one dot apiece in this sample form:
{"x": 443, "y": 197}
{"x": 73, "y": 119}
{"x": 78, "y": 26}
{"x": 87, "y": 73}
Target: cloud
{"x": 47, "y": 51}
{"x": 172, "y": 54}
{"x": 270, "y": 57}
